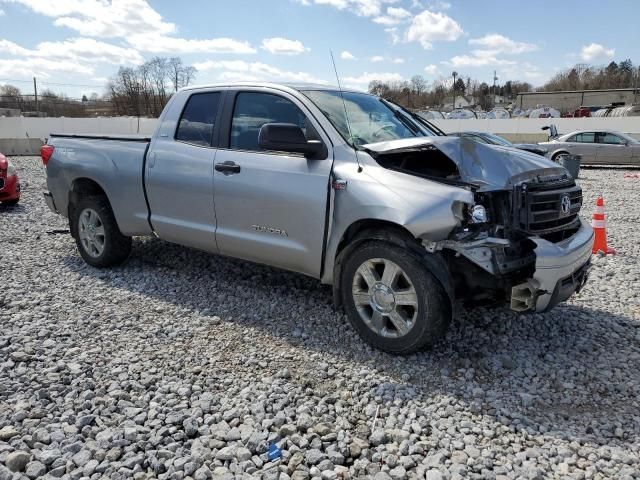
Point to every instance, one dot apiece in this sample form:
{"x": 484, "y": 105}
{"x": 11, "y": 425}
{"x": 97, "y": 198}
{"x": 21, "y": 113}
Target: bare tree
{"x": 181, "y": 75}
{"x": 145, "y": 90}
{"x": 588, "y": 77}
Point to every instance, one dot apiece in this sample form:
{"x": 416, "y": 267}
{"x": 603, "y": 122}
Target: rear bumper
{"x": 48, "y": 198}
{"x": 561, "y": 268}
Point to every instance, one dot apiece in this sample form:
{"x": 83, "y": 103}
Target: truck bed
{"x": 124, "y": 138}
{"x": 114, "y": 162}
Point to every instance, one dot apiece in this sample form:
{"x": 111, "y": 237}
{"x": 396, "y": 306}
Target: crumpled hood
{"x": 490, "y": 167}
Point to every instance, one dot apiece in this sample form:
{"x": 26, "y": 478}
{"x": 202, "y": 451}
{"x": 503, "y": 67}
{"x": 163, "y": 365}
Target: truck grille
{"x": 548, "y": 209}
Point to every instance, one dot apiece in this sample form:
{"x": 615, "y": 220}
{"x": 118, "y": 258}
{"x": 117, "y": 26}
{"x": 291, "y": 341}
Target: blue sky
{"x": 73, "y": 46}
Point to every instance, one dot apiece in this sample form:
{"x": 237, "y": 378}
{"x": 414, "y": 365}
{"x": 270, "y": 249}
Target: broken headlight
{"x": 478, "y": 214}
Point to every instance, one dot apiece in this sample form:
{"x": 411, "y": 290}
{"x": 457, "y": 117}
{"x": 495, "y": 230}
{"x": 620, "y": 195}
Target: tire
{"x": 115, "y": 247}
{"x": 555, "y": 156}
{"x": 10, "y": 203}
{"x": 423, "y": 324}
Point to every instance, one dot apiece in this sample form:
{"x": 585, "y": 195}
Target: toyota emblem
{"x": 565, "y": 205}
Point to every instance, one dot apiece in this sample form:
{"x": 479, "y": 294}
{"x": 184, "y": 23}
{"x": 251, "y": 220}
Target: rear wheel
{"x": 10, "y": 203}
{"x": 96, "y": 232}
{"x": 392, "y": 299}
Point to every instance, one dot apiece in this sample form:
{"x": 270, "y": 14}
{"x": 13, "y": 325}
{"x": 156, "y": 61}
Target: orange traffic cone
{"x": 600, "y": 229}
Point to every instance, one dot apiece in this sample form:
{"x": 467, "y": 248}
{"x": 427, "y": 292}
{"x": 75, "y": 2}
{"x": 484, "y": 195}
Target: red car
{"x": 9, "y": 183}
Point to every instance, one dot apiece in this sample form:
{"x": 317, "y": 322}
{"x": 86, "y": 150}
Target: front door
{"x": 613, "y": 149}
{"x": 270, "y": 206}
{"x": 179, "y": 173}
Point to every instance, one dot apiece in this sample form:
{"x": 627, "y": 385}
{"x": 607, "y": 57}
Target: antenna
{"x": 346, "y": 115}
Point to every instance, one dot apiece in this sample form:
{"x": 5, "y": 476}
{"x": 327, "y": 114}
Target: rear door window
{"x": 586, "y": 137}
{"x": 198, "y": 119}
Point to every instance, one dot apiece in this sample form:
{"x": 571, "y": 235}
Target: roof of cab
{"x": 292, "y": 85}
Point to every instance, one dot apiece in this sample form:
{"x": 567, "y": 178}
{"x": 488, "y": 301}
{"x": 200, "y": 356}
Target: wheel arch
{"x": 83, "y": 186}
{"x": 383, "y": 230}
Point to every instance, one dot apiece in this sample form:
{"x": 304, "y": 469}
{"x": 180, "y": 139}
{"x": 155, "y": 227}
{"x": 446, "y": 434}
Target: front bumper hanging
{"x": 561, "y": 270}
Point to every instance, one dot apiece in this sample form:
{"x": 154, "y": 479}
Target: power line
{"x": 73, "y": 84}
{"x": 53, "y": 83}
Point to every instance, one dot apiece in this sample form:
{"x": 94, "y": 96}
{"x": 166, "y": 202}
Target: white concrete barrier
{"x": 528, "y": 129}
{"x": 32, "y": 127}
{"x": 515, "y": 129}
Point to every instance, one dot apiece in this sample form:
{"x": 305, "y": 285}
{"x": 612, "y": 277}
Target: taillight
{"x": 45, "y": 153}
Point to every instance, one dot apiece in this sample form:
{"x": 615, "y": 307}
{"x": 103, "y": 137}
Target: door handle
{"x": 152, "y": 159}
{"x": 228, "y": 168}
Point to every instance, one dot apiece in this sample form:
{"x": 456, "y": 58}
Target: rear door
{"x": 613, "y": 149}
{"x": 582, "y": 144}
{"x": 271, "y": 207}
{"x": 179, "y": 171}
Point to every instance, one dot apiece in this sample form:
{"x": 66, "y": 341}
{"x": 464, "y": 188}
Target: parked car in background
{"x": 498, "y": 113}
{"x": 544, "y": 112}
{"x": 491, "y": 139}
{"x": 461, "y": 114}
{"x": 9, "y": 182}
{"x": 431, "y": 114}
{"x": 342, "y": 186}
{"x": 605, "y": 147}
{"x": 582, "y": 112}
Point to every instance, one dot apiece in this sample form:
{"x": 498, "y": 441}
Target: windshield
{"x": 371, "y": 120}
{"x": 496, "y": 140}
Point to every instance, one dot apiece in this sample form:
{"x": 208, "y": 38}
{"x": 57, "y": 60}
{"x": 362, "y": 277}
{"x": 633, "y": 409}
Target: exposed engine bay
{"x": 492, "y": 253}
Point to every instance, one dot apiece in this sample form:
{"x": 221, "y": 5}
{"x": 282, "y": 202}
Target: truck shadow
{"x": 555, "y": 374}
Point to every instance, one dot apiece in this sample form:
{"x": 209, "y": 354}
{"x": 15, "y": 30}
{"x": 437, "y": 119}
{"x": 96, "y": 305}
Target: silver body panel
{"x": 179, "y": 181}
{"x": 115, "y": 165}
{"x": 555, "y": 261}
{"x": 280, "y": 209}
{"x": 274, "y": 210}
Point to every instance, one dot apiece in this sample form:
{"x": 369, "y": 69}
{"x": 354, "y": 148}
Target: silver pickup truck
{"x": 342, "y": 186}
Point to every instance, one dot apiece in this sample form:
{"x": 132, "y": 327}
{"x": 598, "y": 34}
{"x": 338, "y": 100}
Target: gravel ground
{"x": 181, "y": 364}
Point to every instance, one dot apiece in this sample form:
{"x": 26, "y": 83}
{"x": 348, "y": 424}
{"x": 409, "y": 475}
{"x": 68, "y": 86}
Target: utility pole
{"x": 635, "y": 87}
{"x": 35, "y": 95}
{"x": 455, "y": 74}
{"x": 495, "y": 79}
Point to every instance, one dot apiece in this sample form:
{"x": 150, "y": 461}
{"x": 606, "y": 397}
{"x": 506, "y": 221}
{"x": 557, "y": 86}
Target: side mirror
{"x": 287, "y": 137}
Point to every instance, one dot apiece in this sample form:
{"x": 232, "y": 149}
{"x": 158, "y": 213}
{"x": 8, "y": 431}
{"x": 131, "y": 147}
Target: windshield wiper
{"x": 421, "y": 120}
{"x": 404, "y": 120}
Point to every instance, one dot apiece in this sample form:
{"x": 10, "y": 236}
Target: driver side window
{"x": 252, "y": 110}
{"x": 610, "y": 138}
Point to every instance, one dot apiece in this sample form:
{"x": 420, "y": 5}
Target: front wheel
{"x": 96, "y": 232}
{"x": 556, "y": 156}
{"x": 392, "y": 299}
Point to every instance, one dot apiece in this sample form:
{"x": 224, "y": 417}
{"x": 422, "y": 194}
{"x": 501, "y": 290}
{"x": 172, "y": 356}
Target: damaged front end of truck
{"x": 520, "y": 240}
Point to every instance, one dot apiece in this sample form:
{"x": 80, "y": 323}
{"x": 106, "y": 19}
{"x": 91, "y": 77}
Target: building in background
{"x": 462, "y": 101}
{"x": 571, "y": 100}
